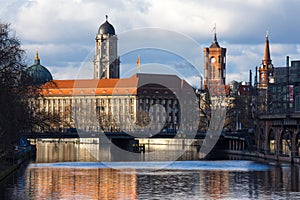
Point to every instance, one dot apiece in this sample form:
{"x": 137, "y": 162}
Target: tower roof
{"x": 38, "y": 72}
{"x": 267, "y": 58}
{"x": 106, "y": 28}
{"x": 215, "y": 43}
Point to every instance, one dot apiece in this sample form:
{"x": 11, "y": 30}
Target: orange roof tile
{"x": 122, "y": 86}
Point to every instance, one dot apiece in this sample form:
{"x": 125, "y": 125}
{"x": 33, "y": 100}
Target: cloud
{"x": 64, "y": 31}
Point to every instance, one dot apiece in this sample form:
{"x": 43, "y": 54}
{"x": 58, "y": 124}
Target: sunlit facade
{"x": 115, "y": 104}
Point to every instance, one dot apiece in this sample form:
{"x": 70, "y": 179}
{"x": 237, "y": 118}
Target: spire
{"x": 215, "y": 43}
{"x": 106, "y": 17}
{"x": 37, "y": 55}
{"x": 37, "y": 59}
{"x": 267, "y": 58}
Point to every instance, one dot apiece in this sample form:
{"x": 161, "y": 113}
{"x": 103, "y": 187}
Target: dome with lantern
{"x": 38, "y": 73}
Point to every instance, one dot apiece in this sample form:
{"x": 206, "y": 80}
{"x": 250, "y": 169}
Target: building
{"x": 284, "y": 93}
{"x": 277, "y": 110}
{"x": 212, "y": 99}
{"x": 214, "y": 64}
{"x": 142, "y": 103}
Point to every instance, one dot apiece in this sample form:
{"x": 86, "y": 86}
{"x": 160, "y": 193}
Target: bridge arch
{"x": 261, "y": 143}
{"x": 297, "y": 144}
{"x": 271, "y": 142}
{"x": 285, "y": 142}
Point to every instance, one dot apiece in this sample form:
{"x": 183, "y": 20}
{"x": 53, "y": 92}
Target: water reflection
{"x": 106, "y": 183}
{"x": 234, "y": 179}
{"x": 74, "y": 183}
{"x": 71, "y": 150}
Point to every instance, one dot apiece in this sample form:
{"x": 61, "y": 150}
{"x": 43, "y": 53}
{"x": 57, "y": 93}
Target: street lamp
{"x": 237, "y": 125}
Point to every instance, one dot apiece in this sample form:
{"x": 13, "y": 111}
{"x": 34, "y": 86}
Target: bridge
{"x": 111, "y": 135}
{"x": 234, "y": 141}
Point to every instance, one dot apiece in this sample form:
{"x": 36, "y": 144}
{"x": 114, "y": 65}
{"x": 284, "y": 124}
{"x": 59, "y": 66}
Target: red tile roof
{"x": 122, "y": 86}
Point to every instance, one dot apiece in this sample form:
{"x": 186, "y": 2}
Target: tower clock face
{"x": 213, "y": 60}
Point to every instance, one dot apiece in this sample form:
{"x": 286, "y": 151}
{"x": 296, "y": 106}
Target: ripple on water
{"x": 240, "y": 165}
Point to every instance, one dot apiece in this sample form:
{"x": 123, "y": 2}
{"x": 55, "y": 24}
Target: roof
{"x": 38, "y": 72}
{"x": 123, "y": 86}
{"x": 215, "y": 43}
{"x": 106, "y": 28}
{"x": 267, "y": 58}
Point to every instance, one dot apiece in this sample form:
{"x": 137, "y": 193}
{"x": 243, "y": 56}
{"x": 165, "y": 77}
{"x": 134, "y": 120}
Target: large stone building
{"x": 141, "y": 103}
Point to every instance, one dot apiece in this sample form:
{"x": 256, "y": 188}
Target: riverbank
{"x": 13, "y": 161}
{"x": 6, "y": 169}
{"x": 270, "y": 157}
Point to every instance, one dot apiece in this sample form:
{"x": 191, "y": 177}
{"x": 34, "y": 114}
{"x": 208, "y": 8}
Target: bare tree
{"x": 18, "y": 96}
{"x": 14, "y": 90}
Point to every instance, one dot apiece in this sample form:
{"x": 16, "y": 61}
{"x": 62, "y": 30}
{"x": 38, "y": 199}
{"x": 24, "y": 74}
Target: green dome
{"x": 38, "y": 72}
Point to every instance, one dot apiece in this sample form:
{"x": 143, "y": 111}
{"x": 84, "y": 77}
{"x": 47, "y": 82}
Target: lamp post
{"x": 237, "y": 112}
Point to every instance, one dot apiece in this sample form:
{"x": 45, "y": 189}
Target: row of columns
{"x": 236, "y": 145}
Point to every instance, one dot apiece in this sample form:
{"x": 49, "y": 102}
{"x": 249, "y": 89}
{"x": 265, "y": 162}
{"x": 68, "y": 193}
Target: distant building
{"x": 266, "y": 68}
{"x": 284, "y": 93}
{"x": 213, "y": 97}
{"x": 214, "y": 65}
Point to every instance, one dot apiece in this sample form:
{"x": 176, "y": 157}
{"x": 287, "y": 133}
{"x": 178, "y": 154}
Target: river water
{"x": 68, "y": 171}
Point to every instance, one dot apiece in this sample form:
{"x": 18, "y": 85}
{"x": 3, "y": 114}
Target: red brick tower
{"x": 214, "y": 64}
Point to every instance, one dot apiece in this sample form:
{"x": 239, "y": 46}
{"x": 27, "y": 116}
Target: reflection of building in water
{"x": 68, "y": 183}
{"x": 70, "y": 150}
{"x": 216, "y": 183}
{"x": 110, "y": 103}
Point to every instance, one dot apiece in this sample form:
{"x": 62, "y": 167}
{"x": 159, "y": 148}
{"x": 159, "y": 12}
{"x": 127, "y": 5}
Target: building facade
{"x": 116, "y": 105}
{"x": 284, "y": 93}
{"x": 214, "y": 64}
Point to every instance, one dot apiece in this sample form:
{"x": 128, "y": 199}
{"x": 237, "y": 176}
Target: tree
{"x": 13, "y": 92}
{"x": 19, "y": 96}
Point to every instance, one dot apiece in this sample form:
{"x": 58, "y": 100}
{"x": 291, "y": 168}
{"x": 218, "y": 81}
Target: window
{"x": 297, "y": 103}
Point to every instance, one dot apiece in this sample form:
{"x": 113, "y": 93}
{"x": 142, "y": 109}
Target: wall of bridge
{"x": 279, "y": 139}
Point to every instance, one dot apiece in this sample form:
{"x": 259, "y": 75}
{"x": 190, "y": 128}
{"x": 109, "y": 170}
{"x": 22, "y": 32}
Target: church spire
{"x": 267, "y": 58}
{"x": 266, "y": 68}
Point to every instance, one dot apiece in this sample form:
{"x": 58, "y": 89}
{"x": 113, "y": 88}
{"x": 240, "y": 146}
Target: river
{"x": 68, "y": 171}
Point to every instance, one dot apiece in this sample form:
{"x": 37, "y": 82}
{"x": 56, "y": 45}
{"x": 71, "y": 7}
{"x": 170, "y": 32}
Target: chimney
{"x": 250, "y": 77}
{"x": 255, "y": 78}
{"x": 287, "y": 61}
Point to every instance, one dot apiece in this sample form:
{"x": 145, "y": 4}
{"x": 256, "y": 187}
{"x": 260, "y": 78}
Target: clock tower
{"x": 214, "y": 64}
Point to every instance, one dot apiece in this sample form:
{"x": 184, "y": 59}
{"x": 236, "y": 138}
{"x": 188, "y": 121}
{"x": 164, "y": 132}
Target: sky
{"x": 168, "y": 35}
